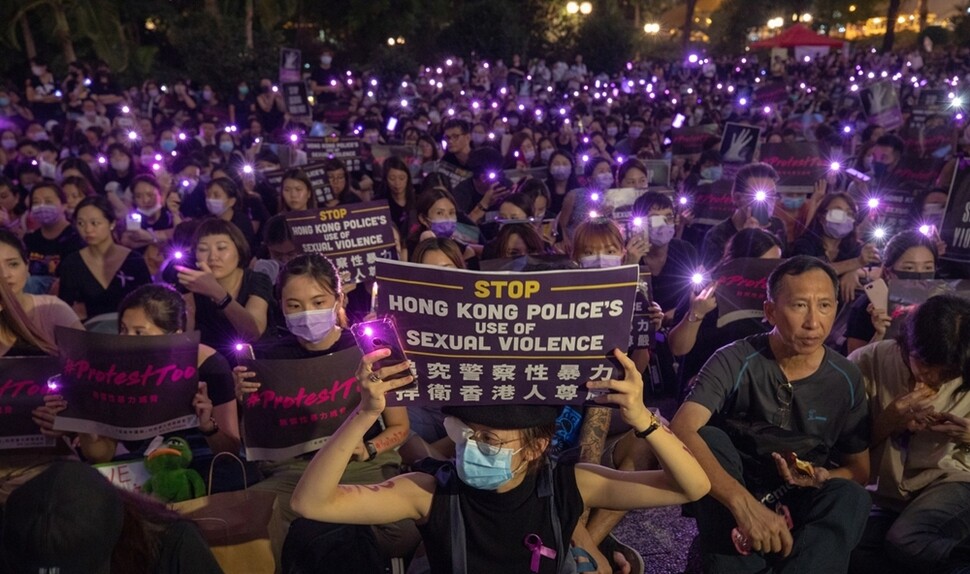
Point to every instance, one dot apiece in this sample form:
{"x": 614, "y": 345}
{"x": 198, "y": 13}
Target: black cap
{"x": 483, "y": 159}
{"x": 505, "y": 417}
{"x": 68, "y": 517}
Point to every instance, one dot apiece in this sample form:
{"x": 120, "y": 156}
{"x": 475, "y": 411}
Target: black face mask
{"x": 914, "y": 275}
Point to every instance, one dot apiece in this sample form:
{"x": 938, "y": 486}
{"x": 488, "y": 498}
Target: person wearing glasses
{"x": 457, "y": 134}
{"x": 760, "y": 399}
{"x": 754, "y": 195}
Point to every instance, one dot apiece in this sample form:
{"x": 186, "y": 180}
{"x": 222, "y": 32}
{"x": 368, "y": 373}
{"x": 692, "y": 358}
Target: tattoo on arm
{"x": 592, "y": 435}
{"x": 358, "y": 488}
{"x": 390, "y": 441}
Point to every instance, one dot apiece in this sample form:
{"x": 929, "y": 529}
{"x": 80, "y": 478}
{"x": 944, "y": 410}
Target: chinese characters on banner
{"x": 642, "y": 334}
{"x": 127, "y": 388}
{"x": 315, "y": 172}
{"x": 956, "y": 219}
{"x": 346, "y": 149}
{"x": 352, "y": 236}
{"x": 299, "y": 405}
{"x": 23, "y": 384}
{"x": 493, "y": 338}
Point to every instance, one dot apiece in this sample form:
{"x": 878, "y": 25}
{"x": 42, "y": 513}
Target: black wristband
{"x": 646, "y": 432}
{"x": 215, "y": 428}
{"x": 221, "y": 305}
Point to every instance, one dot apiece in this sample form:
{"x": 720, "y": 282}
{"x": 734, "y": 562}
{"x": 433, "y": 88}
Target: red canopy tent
{"x": 798, "y": 35}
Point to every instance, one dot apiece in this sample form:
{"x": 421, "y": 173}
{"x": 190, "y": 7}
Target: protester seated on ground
{"x": 20, "y": 338}
{"x": 515, "y": 240}
{"x": 53, "y": 241}
{"x": 156, "y": 223}
{"x": 500, "y": 463}
{"x": 695, "y": 335}
{"x": 70, "y": 518}
{"x": 296, "y": 191}
{"x": 437, "y": 216}
{"x": 398, "y": 189}
{"x": 832, "y": 236}
{"x": 46, "y": 312}
{"x": 152, "y": 310}
{"x": 582, "y": 203}
{"x": 561, "y": 179}
{"x": 312, "y": 303}
{"x": 917, "y": 387}
{"x": 227, "y": 302}
{"x": 226, "y": 202}
{"x": 907, "y": 255}
{"x": 761, "y": 398}
{"x": 94, "y": 279}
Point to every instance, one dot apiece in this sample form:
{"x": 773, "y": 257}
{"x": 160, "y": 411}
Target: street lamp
{"x": 651, "y": 28}
{"x": 572, "y": 7}
{"x": 585, "y": 8}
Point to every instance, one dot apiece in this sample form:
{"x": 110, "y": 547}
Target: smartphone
{"x": 856, "y": 174}
{"x": 678, "y": 121}
{"x": 245, "y": 355}
{"x": 381, "y": 334}
{"x": 759, "y": 211}
{"x": 391, "y": 123}
{"x": 170, "y": 274}
{"x": 133, "y": 221}
{"x": 878, "y": 294}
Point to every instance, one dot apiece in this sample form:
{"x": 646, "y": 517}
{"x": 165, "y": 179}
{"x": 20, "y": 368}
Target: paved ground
{"x": 661, "y": 535}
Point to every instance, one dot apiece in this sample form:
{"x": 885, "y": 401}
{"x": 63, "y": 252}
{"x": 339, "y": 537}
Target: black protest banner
{"x": 772, "y": 93}
{"x": 798, "y": 165}
{"x": 346, "y": 149}
{"x": 658, "y": 172}
{"x": 516, "y": 175}
{"x": 742, "y": 286}
{"x": 454, "y": 173}
{"x": 642, "y": 335}
{"x": 907, "y": 294}
{"x": 712, "y": 202}
{"x": 299, "y": 404}
{"x": 295, "y": 98}
{"x": 895, "y": 206}
{"x": 317, "y": 174}
{"x": 928, "y": 133}
{"x": 688, "y": 141}
{"x": 933, "y": 99}
{"x": 956, "y": 219}
{"x": 409, "y": 154}
{"x": 880, "y": 102}
{"x": 127, "y": 388}
{"x": 23, "y": 384}
{"x": 352, "y": 236}
{"x": 915, "y": 172}
{"x": 739, "y": 142}
{"x": 507, "y": 338}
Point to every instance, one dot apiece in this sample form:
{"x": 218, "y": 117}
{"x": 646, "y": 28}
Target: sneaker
{"x": 610, "y": 545}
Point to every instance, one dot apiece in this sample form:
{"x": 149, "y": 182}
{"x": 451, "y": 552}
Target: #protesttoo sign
{"x": 742, "y": 286}
{"x": 23, "y": 384}
{"x": 513, "y": 338}
{"x": 352, "y": 236}
{"x": 299, "y": 404}
{"x": 127, "y": 388}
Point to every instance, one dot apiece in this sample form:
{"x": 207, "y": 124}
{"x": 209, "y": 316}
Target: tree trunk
{"x": 62, "y": 30}
{"x": 924, "y": 13}
{"x": 249, "y": 25}
{"x": 891, "y": 14}
{"x": 29, "y": 45}
{"x": 688, "y": 21}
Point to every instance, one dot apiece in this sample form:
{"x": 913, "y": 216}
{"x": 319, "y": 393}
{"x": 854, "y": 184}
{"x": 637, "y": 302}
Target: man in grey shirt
{"x": 789, "y": 379}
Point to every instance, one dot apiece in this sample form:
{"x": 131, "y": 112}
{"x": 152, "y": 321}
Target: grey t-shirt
{"x": 741, "y": 381}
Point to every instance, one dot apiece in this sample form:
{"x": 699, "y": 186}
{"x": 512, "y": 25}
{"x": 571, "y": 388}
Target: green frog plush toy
{"x": 172, "y": 480}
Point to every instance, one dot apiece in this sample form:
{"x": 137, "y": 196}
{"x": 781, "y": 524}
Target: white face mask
{"x": 216, "y": 206}
{"x": 150, "y": 211}
{"x": 600, "y": 261}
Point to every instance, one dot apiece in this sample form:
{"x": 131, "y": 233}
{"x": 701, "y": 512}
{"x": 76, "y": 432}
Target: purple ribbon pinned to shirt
{"x": 534, "y": 543}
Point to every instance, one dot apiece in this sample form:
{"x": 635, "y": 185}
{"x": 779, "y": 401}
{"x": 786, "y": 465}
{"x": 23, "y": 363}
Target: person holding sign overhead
{"x": 500, "y": 506}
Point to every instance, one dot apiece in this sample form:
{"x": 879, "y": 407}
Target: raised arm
{"x": 319, "y": 496}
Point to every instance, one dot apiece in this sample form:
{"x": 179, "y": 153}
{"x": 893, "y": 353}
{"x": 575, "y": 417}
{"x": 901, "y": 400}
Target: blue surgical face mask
{"x": 475, "y": 468}
{"x": 792, "y": 203}
{"x": 879, "y": 169}
{"x": 444, "y": 228}
{"x": 226, "y": 146}
{"x": 167, "y": 145}
{"x": 312, "y": 326}
{"x": 712, "y": 173}
{"x": 4, "y": 102}
{"x": 560, "y": 172}
{"x": 603, "y": 180}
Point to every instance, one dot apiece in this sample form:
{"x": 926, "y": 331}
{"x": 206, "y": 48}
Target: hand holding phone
{"x": 878, "y": 294}
{"x": 381, "y": 334}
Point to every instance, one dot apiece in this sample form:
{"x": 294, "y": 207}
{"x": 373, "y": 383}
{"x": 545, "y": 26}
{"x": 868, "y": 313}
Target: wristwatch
{"x": 371, "y": 451}
{"x": 646, "y": 432}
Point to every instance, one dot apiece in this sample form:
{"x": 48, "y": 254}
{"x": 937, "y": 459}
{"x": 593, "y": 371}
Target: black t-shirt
{"x": 718, "y": 236}
{"x": 215, "y": 329}
{"x": 216, "y": 373}
{"x": 46, "y": 254}
{"x": 496, "y": 525}
{"x": 78, "y": 284}
{"x": 741, "y": 382}
{"x": 182, "y": 550}
{"x": 165, "y": 221}
{"x": 323, "y": 77}
{"x": 289, "y": 347}
{"x": 810, "y": 243}
{"x": 668, "y": 286}
{"x": 859, "y": 323}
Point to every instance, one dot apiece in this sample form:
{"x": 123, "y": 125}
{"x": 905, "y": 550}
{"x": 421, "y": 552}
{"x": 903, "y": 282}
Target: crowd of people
{"x": 102, "y": 184}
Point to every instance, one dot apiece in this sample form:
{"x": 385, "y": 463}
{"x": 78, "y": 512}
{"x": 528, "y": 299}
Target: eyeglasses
{"x": 488, "y": 443}
{"x": 784, "y": 394}
{"x": 453, "y": 136}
